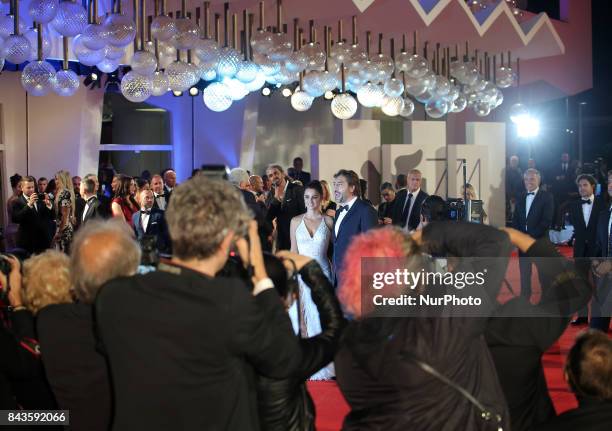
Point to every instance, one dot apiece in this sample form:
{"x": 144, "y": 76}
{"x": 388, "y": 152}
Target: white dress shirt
{"x": 144, "y": 221}
{"x": 412, "y": 199}
{"x": 529, "y": 201}
{"x": 348, "y": 206}
{"x": 587, "y": 209}
{"x": 86, "y": 207}
{"x": 161, "y": 201}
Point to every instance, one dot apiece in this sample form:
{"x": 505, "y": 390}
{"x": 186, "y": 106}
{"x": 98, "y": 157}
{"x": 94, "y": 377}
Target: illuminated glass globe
{"x": 408, "y": 108}
{"x": 38, "y": 78}
{"x": 371, "y": 95}
{"x": 285, "y": 77}
{"x": 343, "y": 106}
{"x": 517, "y": 111}
{"x": 471, "y": 74}
{"x": 135, "y": 87}
{"x": 453, "y": 94}
{"x": 402, "y": 61}
{"x": 207, "y": 71}
{"x": 235, "y": 89}
{"x": 247, "y": 71}
{"x": 257, "y": 83}
{"x": 113, "y": 52}
{"x": 43, "y": 11}
{"x": 66, "y": 83}
{"x": 354, "y": 80}
{"x": 261, "y": 41}
{"x": 297, "y": 62}
{"x": 504, "y": 77}
{"x": 394, "y": 87}
{"x": 301, "y": 101}
{"x": 341, "y": 52}
{"x": 368, "y": 71}
{"x": 416, "y": 86}
{"x": 7, "y": 26}
{"x": 417, "y": 66}
{"x": 228, "y": 62}
{"x": 187, "y": 34}
{"x": 207, "y": 50}
{"x": 315, "y": 56}
{"x": 216, "y": 97}
{"x": 459, "y": 104}
{"x": 384, "y": 67}
{"x": 70, "y": 19}
{"x": 328, "y": 81}
{"x": 458, "y": 69}
{"x": 392, "y": 106}
{"x": 180, "y": 76}
{"x": 357, "y": 58}
{"x": 482, "y": 109}
{"x": 281, "y": 48}
{"x": 312, "y": 84}
{"x": 121, "y": 30}
{"x": 195, "y": 74}
{"x": 85, "y": 55}
{"x": 443, "y": 85}
{"x": 437, "y": 107}
{"x": 94, "y": 36}
{"x": 32, "y": 36}
{"x": 163, "y": 28}
{"x": 17, "y": 49}
{"x": 143, "y": 63}
{"x": 269, "y": 67}
{"x": 159, "y": 84}
{"x": 498, "y": 99}
{"x": 426, "y": 96}
{"x": 108, "y": 65}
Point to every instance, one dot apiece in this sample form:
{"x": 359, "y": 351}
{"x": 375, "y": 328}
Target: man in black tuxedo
{"x": 34, "y": 217}
{"x": 186, "y": 342}
{"x": 90, "y": 208}
{"x": 385, "y": 209}
{"x": 407, "y": 210}
{"x": 169, "y": 177}
{"x": 601, "y": 304}
{"x": 533, "y": 215}
{"x": 150, "y": 221}
{"x": 239, "y": 178}
{"x": 103, "y": 210}
{"x": 160, "y": 200}
{"x": 299, "y": 174}
{"x": 584, "y": 214}
{"x": 285, "y": 201}
{"x": 353, "y": 217}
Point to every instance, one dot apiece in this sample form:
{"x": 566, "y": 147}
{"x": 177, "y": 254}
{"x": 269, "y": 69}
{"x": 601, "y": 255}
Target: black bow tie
{"x": 145, "y": 212}
{"x": 160, "y": 195}
{"x": 91, "y": 198}
{"x": 587, "y": 202}
{"x": 531, "y": 194}
{"x": 342, "y": 208}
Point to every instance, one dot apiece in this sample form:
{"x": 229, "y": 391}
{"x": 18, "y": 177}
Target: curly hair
{"x": 46, "y": 280}
{"x": 201, "y": 213}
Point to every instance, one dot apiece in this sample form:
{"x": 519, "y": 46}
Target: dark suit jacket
{"x": 168, "y": 194}
{"x": 359, "y": 218}
{"x": 76, "y": 371}
{"x": 184, "y": 349}
{"x": 540, "y": 214}
{"x": 602, "y": 234}
{"x": 34, "y": 234}
{"x": 591, "y": 415}
{"x": 94, "y": 211}
{"x": 415, "y": 215}
{"x": 291, "y": 206}
{"x": 155, "y": 204}
{"x": 156, "y": 227}
{"x": 585, "y": 236}
{"x": 259, "y": 210}
{"x": 303, "y": 177}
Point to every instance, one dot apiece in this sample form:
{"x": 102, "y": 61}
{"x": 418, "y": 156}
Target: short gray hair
{"x": 201, "y": 213}
{"x": 238, "y": 176}
{"x": 102, "y": 251}
{"x": 532, "y": 171}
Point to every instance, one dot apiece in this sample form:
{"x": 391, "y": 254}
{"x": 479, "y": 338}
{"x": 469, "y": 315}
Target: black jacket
{"x": 95, "y": 210}
{"x": 285, "y": 405}
{"x": 291, "y": 206}
{"x": 156, "y": 227}
{"x": 259, "y": 211}
{"x": 400, "y": 213}
{"x": 602, "y": 237}
{"x": 34, "y": 234}
{"x": 184, "y": 348}
{"x": 585, "y": 236}
{"x": 540, "y": 216}
{"x": 591, "y": 415}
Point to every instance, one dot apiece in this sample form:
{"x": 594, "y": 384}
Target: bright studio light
{"x": 266, "y": 91}
{"x": 286, "y": 92}
{"x": 193, "y": 91}
{"x": 527, "y": 126}
{"x": 328, "y": 95}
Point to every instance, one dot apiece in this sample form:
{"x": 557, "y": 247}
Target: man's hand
{"x": 519, "y": 239}
{"x": 47, "y": 201}
{"x": 300, "y": 261}
{"x": 602, "y": 268}
{"x": 32, "y": 200}
{"x": 250, "y": 252}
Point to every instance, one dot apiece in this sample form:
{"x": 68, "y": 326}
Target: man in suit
{"x": 186, "y": 341}
{"x": 407, "y": 210}
{"x": 533, "y": 215}
{"x": 34, "y": 215}
{"x": 285, "y": 201}
{"x": 385, "y": 209}
{"x": 159, "y": 197}
{"x": 353, "y": 217}
{"x": 150, "y": 221}
{"x": 169, "y": 177}
{"x": 42, "y": 184}
{"x": 239, "y": 178}
{"x": 299, "y": 174}
{"x": 92, "y": 208}
{"x": 584, "y": 214}
{"x": 601, "y": 304}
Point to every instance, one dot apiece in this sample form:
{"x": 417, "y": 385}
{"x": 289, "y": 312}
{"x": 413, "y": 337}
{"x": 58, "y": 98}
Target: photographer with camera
{"x": 33, "y": 212}
{"x": 184, "y": 345}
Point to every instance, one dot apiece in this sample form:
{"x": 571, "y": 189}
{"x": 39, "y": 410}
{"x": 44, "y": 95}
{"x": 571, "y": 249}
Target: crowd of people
{"x": 145, "y": 304}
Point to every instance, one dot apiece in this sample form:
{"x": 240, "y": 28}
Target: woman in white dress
{"x": 310, "y": 236}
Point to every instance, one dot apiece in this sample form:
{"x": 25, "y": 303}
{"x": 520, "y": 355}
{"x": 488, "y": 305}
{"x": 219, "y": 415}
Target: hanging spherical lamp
{"x": 135, "y": 87}
{"x": 94, "y": 36}
{"x": 437, "y": 107}
{"x": 159, "y": 83}
{"x": 408, "y": 108}
{"x": 180, "y": 76}
{"x": 120, "y": 28}
{"x": 43, "y": 11}
{"x": 66, "y": 81}
{"x": 32, "y": 36}
{"x": 38, "y": 78}
{"x": 371, "y": 95}
{"x": 85, "y": 55}
{"x": 108, "y": 65}
{"x": 216, "y": 97}
{"x": 143, "y": 63}
{"x": 187, "y": 34}
{"x": 70, "y": 19}
{"x": 392, "y": 106}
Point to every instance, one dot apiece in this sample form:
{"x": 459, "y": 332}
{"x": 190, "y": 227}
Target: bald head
{"x": 102, "y": 251}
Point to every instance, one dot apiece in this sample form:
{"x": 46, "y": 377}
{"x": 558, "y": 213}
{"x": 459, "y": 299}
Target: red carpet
{"x": 331, "y": 406}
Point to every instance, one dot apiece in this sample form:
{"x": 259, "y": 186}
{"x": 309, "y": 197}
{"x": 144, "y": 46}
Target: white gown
{"x": 316, "y": 247}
